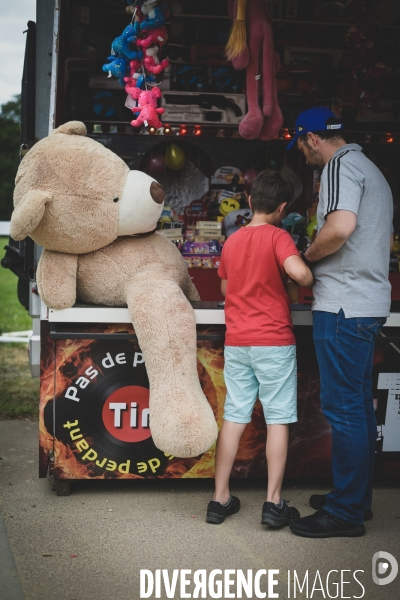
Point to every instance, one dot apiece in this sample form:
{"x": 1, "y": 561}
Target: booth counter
{"x": 94, "y": 401}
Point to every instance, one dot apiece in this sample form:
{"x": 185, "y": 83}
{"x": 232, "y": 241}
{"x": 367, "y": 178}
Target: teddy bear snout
{"x": 157, "y": 192}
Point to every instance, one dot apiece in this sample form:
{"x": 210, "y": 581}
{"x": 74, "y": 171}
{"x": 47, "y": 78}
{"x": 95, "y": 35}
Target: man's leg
{"x": 276, "y": 451}
{"x": 344, "y": 349}
{"x": 227, "y": 447}
{"x": 371, "y": 419}
{"x": 343, "y": 358}
{"x": 318, "y": 501}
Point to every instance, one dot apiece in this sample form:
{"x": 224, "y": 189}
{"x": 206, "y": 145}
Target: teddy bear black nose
{"x": 157, "y": 192}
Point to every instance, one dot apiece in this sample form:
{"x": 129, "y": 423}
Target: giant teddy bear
{"x": 81, "y": 202}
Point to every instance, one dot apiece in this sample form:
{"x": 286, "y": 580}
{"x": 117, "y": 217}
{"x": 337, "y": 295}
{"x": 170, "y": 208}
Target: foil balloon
{"x": 155, "y": 164}
{"x": 249, "y": 176}
{"x": 175, "y": 158}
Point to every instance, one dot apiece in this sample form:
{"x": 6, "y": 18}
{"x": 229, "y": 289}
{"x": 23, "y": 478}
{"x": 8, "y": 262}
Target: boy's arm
{"x": 298, "y": 270}
{"x": 223, "y": 287}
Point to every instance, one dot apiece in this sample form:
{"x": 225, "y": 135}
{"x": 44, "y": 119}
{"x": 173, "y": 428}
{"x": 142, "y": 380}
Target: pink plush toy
{"x": 147, "y": 108}
{"x": 156, "y": 36}
{"x": 151, "y": 62}
{"x": 251, "y": 47}
{"x": 131, "y": 82}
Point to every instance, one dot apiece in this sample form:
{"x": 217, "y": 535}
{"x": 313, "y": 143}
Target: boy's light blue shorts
{"x": 266, "y": 372}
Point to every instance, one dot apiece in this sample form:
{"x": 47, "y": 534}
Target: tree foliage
{"x": 10, "y": 124}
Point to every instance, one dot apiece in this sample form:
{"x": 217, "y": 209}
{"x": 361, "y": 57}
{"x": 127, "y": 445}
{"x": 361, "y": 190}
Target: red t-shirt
{"x": 257, "y": 305}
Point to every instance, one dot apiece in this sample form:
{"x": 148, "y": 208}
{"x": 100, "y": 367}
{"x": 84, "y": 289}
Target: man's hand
{"x": 339, "y": 226}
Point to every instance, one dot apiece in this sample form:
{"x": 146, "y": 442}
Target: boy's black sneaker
{"x": 323, "y": 524}
{"x": 318, "y": 501}
{"x": 278, "y": 516}
{"x": 216, "y": 512}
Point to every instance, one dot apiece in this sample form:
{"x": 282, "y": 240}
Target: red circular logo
{"x": 126, "y": 414}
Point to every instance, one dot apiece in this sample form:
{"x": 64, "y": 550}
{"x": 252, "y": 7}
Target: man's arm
{"x": 391, "y": 242}
{"x": 223, "y": 287}
{"x": 339, "y": 226}
{"x": 298, "y": 271}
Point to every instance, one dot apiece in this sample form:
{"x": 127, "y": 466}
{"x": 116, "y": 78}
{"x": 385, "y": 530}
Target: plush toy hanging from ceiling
{"x": 135, "y": 56}
{"x": 81, "y": 202}
{"x": 251, "y": 47}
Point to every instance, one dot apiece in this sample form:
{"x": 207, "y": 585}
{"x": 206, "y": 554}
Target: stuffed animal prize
{"x": 81, "y": 202}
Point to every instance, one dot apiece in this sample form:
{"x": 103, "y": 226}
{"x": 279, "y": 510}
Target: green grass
{"x": 19, "y": 392}
{"x": 13, "y": 316}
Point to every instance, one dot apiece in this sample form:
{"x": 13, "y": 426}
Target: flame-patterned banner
{"x": 95, "y": 422}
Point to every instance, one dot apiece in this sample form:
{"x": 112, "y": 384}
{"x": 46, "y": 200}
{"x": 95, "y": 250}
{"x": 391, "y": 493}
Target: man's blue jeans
{"x": 345, "y": 350}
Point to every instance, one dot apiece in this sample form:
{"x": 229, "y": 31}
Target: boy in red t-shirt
{"x": 260, "y": 350}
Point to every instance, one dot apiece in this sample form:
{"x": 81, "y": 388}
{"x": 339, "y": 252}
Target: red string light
{"x": 286, "y": 134}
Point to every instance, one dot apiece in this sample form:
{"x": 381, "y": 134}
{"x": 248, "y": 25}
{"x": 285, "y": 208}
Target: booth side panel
{"x": 46, "y": 440}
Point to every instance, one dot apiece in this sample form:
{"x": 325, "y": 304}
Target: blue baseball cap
{"x": 312, "y": 120}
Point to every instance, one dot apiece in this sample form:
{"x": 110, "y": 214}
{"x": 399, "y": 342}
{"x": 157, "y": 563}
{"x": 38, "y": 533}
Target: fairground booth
{"x": 212, "y": 125}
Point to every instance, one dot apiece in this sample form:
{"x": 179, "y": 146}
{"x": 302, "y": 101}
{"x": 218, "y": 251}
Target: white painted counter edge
{"x": 99, "y": 314}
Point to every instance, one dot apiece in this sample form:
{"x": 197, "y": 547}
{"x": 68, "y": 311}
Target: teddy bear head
{"x": 147, "y": 98}
{"x": 73, "y": 195}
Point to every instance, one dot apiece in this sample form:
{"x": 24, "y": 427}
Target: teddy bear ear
{"x": 28, "y": 214}
{"x": 156, "y": 92}
{"x": 71, "y": 128}
{"x": 135, "y": 93}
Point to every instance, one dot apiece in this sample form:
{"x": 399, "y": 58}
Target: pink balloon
{"x": 249, "y": 176}
{"x": 155, "y": 164}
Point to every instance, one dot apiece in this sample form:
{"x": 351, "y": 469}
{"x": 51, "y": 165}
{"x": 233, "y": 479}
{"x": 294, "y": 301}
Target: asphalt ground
{"x": 93, "y": 543}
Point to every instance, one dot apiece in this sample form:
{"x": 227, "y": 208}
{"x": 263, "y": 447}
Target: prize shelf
{"x": 278, "y": 20}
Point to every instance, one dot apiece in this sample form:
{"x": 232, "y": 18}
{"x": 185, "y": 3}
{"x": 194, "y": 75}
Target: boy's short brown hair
{"x": 269, "y": 190}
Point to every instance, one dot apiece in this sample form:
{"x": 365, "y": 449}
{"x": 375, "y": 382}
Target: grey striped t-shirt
{"x": 355, "y": 278}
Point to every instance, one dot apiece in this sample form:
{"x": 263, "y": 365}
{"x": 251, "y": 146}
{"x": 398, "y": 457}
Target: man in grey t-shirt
{"x": 350, "y": 262}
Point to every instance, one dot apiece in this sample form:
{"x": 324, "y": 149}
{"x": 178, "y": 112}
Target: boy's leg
{"x": 241, "y": 393}
{"x": 276, "y": 371}
{"x": 276, "y": 451}
{"x": 227, "y": 447}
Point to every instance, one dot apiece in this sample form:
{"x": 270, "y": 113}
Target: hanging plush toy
{"x": 121, "y": 45}
{"x": 152, "y": 62}
{"x": 138, "y": 81}
{"x": 156, "y": 16}
{"x": 147, "y": 108}
{"x": 119, "y": 67}
{"x": 251, "y": 47}
{"x": 138, "y": 77}
{"x": 157, "y": 36}
{"x": 132, "y": 80}
{"x": 147, "y": 32}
